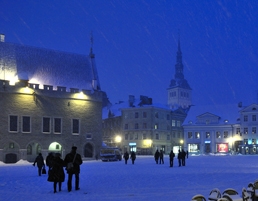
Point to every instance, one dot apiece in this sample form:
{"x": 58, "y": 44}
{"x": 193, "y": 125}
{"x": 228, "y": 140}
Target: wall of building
{"x": 20, "y": 100}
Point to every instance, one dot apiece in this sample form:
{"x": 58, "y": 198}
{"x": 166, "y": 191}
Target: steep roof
{"x": 48, "y": 67}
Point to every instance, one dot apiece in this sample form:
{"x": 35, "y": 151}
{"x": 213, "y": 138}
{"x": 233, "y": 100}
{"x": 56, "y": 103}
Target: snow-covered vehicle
{"x": 110, "y": 154}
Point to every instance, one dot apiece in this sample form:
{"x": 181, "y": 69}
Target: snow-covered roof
{"x": 47, "y": 67}
{"x": 224, "y": 112}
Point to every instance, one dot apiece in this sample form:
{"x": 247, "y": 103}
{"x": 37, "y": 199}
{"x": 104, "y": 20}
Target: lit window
{"x": 253, "y": 130}
{"x": 218, "y": 134}
{"x": 190, "y": 135}
{"x": 208, "y": 135}
{"x": 197, "y": 135}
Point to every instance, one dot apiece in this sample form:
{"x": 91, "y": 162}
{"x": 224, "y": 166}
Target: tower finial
{"x": 91, "y": 42}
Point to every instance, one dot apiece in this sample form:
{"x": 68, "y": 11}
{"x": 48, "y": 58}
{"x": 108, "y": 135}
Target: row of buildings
{"x": 143, "y": 126}
{"x": 52, "y": 100}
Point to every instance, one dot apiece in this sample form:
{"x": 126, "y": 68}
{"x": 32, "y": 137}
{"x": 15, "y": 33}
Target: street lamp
{"x": 181, "y": 142}
{"x": 118, "y": 140}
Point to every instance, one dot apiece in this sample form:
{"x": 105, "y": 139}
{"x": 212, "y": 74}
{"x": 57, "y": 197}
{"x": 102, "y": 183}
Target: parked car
{"x": 110, "y": 154}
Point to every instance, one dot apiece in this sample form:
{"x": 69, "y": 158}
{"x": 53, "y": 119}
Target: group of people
{"x": 56, "y": 166}
{"x": 159, "y": 157}
{"x": 132, "y": 157}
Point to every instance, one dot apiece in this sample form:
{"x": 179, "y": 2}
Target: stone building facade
{"x": 37, "y": 117}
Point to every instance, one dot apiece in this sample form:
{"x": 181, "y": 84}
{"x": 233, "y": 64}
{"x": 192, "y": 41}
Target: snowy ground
{"x": 144, "y": 180}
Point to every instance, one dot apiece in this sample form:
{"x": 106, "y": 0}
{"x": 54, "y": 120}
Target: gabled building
{"x": 49, "y": 102}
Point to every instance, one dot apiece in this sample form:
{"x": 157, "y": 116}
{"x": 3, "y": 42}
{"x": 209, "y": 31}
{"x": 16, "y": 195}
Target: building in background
{"x": 49, "y": 102}
{"x": 143, "y": 126}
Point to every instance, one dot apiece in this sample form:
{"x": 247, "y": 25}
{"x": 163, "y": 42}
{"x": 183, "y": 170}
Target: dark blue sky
{"x": 135, "y": 43}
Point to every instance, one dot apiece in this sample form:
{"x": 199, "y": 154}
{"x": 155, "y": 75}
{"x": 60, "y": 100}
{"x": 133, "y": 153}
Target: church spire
{"x": 179, "y": 64}
{"x": 91, "y": 45}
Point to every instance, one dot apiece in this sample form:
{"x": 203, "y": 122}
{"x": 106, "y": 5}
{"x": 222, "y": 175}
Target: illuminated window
{"x": 190, "y": 135}
{"x": 75, "y": 126}
{"x": 156, "y": 126}
{"x": 218, "y": 135}
{"x": 225, "y": 134}
{"x": 246, "y": 131}
{"x": 253, "y": 141}
{"x": 58, "y": 125}
{"x": 197, "y": 135}
{"x": 245, "y": 141}
{"x": 25, "y": 124}
{"x": 208, "y": 135}
{"x": 173, "y": 123}
{"x": 46, "y": 125}
{"x": 253, "y": 130}
{"x": 13, "y": 123}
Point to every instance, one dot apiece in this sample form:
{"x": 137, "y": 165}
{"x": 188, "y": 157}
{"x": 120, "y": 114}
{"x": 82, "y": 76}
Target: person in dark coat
{"x": 179, "y": 157}
{"x": 49, "y": 160}
{"x": 57, "y": 171}
{"x": 183, "y": 157}
{"x": 156, "y": 156}
{"x": 133, "y": 156}
{"x": 171, "y": 158}
{"x": 76, "y": 159}
{"x": 40, "y": 163}
{"x": 161, "y": 157}
{"x": 126, "y": 157}
{"x": 187, "y": 154}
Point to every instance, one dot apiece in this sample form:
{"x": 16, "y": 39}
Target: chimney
{"x": 2, "y": 36}
{"x": 131, "y": 100}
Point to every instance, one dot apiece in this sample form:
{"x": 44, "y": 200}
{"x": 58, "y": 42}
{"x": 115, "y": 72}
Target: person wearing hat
{"x": 72, "y": 161}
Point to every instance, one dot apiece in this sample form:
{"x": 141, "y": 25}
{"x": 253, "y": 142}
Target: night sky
{"x": 135, "y": 43}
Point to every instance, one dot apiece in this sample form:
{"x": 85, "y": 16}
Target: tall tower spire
{"x": 179, "y": 64}
{"x": 91, "y": 45}
{"x": 179, "y": 91}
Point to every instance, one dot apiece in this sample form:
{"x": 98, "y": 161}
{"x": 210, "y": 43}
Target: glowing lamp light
{"x": 118, "y": 139}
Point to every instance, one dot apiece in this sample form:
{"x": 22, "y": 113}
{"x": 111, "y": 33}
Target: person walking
{"x": 126, "y": 157}
{"x": 133, "y": 156}
{"x": 76, "y": 160}
{"x": 171, "y": 158}
{"x": 156, "y": 156}
{"x": 40, "y": 163}
{"x": 49, "y": 160}
{"x": 179, "y": 157}
{"x": 57, "y": 171}
{"x": 183, "y": 157}
{"x": 161, "y": 157}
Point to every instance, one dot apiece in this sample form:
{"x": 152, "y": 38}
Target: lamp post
{"x": 181, "y": 144}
